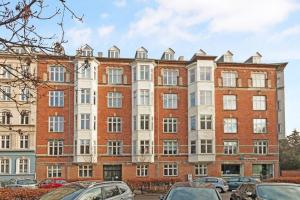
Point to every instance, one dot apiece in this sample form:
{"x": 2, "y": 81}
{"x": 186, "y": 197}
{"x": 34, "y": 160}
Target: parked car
{"x": 112, "y": 190}
{"x": 271, "y": 191}
{"x": 192, "y": 191}
{"x": 220, "y": 184}
{"x": 52, "y": 183}
{"x": 21, "y": 183}
{"x": 243, "y": 191}
{"x": 235, "y": 182}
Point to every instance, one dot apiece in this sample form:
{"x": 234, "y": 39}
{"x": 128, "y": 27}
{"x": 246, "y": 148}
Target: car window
{"x": 211, "y": 180}
{"x": 245, "y": 179}
{"x": 110, "y": 191}
{"x": 66, "y": 193}
{"x": 26, "y": 182}
{"x": 232, "y": 180}
{"x": 93, "y": 194}
{"x": 123, "y": 188}
{"x": 182, "y": 193}
{"x": 274, "y": 192}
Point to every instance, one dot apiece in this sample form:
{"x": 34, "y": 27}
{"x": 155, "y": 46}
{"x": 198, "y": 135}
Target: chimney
{"x": 226, "y": 57}
{"x": 100, "y": 54}
{"x": 255, "y": 59}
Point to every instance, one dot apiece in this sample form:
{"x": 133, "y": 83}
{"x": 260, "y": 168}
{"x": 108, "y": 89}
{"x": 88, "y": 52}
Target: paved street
{"x": 225, "y": 196}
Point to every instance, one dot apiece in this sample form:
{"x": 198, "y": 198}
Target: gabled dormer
{"x": 168, "y": 54}
{"x": 114, "y": 52}
{"x": 85, "y": 51}
{"x": 256, "y": 58}
{"x": 141, "y": 53}
{"x": 226, "y": 57}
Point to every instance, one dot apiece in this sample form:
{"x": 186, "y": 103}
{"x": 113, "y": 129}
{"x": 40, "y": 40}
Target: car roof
{"x": 193, "y": 185}
{"x": 87, "y": 184}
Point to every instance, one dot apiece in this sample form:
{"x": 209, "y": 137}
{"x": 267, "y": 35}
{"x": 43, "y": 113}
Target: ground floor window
{"x": 23, "y": 164}
{"x": 54, "y": 171}
{"x": 85, "y": 171}
{"x": 231, "y": 169}
{"x": 171, "y": 169}
{"x": 4, "y": 166}
{"x": 142, "y": 170}
{"x": 201, "y": 169}
{"x": 263, "y": 171}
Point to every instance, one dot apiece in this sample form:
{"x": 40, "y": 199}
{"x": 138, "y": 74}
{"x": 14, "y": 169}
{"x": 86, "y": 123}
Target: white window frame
{"x": 145, "y": 122}
{"x": 170, "y": 147}
{"x": 85, "y": 171}
{"x": 206, "y": 144}
{"x": 258, "y": 80}
{"x": 86, "y": 71}
{"x": 5, "y": 165}
{"x": 260, "y": 125}
{"x": 5, "y": 72}
{"x": 193, "y": 123}
{"x": 193, "y": 147}
{"x": 5, "y": 93}
{"x": 229, "y": 102}
{"x": 114, "y": 148}
{"x": 115, "y": 76}
{"x": 145, "y": 73}
{"x": 5, "y": 142}
{"x": 205, "y": 73}
{"x": 260, "y": 147}
{"x": 85, "y": 147}
{"x": 145, "y": 147}
{"x": 56, "y": 73}
{"x": 192, "y": 75}
{"x": 24, "y": 142}
{"x": 171, "y": 169}
{"x": 114, "y": 124}
{"x": 207, "y": 121}
{"x": 25, "y": 94}
{"x": 6, "y": 117}
{"x": 259, "y": 102}
{"x": 230, "y": 125}
{"x": 170, "y": 77}
{"x": 229, "y": 79}
{"x": 144, "y": 98}
{"x": 85, "y": 121}
{"x": 85, "y": 96}
{"x": 55, "y": 147}
{"x": 170, "y": 125}
{"x": 56, "y": 98}
{"x": 205, "y": 97}
{"x": 200, "y": 169}
{"x": 23, "y": 165}
{"x": 170, "y": 101}
{"x": 114, "y": 100}
{"x": 56, "y": 124}
{"x": 54, "y": 171}
{"x": 142, "y": 170}
{"x": 230, "y": 147}
{"x": 193, "y": 99}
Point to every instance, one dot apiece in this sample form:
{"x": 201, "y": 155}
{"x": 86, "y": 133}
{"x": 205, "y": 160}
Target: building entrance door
{"x": 112, "y": 172}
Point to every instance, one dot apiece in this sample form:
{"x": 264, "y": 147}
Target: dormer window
{"x": 168, "y": 54}
{"x": 113, "y": 54}
{"x": 87, "y": 53}
{"x": 141, "y": 53}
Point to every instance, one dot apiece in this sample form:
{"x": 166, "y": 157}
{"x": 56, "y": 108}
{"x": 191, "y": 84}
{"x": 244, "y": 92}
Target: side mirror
{"x": 161, "y": 197}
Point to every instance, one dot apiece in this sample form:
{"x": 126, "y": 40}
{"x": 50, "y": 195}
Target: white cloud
{"x": 79, "y": 36}
{"x": 287, "y": 33}
{"x": 184, "y": 20}
{"x": 120, "y": 3}
{"x": 103, "y": 15}
{"x": 105, "y": 31}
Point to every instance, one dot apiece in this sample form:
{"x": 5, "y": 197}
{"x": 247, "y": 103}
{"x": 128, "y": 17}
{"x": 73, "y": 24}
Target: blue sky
{"x": 270, "y": 27}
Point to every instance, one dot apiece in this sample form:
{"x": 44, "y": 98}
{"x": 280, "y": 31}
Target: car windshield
{"x": 181, "y": 193}
{"x": 66, "y": 192}
{"x": 278, "y": 192}
{"x": 26, "y": 182}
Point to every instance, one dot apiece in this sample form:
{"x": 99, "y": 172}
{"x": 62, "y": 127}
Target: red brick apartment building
{"x": 113, "y": 118}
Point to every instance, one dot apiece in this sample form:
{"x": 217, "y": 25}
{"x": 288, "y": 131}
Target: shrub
{"x": 284, "y": 180}
{"x": 22, "y": 193}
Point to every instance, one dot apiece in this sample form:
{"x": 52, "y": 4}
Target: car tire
{"x": 220, "y": 190}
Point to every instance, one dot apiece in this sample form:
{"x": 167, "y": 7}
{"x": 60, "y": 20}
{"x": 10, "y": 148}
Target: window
{"x": 86, "y": 52}
{"x": 170, "y": 125}
{"x": 259, "y": 125}
{"x": 229, "y": 79}
{"x": 85, "y": 121}
{"x": 192, "y": 99}
{"x": 259, "y": 102}
{"x": 192, "y": 75}
{"x": 170, "y": 76}
{"x": 230, "y": 169}
{"x": 230, "y": 147}
{"x": 134, "y": 123}
{"x": 114, "y": 100}
{"x": 261, "y": 147}
{"x": 114, "y": 147}
{"x": 230, "y": 125}
{"x": 201, "y": 169}
{"x": 24, "y": 141}
{"x": 5, "y": 142}
{"x": 5, "y": 117}
{"x": 56, "y": 124}
{"x": 85, "y": 171}
{"x": 25, "y": 95}
{"x": 193, "y": 147}
{"x": 134, "y": 98}
{"x": 229, "y": 102}
{"x": 206, "y": 146}
{"x": 54, "y": 171}
{"x": 193, "y": 125}
{"x": 24, "y": 117}
{"x": 86, "y": 71}
{"x": 5, "y": 71}
{"x": 144, "y": 147}
{"x": 145, "y": 73}
{"x": 114, "y": 124}
{"x": 55, "y": 147}
{"x": 85, "y": 95}
{"x": 170, "y": 101}
{"x": 168, "y": 56}
{"x": 258, "y": 80}
{"x": 57, "y": 74}
{"x": 170, "y": 147}
{"x": 205, "y": 73}
{"x": 170, "y": 169}
{"x": 5, "y": 93}
{"x": 134, "y": 74}
{"x": 23, "y": 166}
{"x": 113, "y": 54}
{"x": 142, "y": 170}
{"x": 4, "y": 166}
{"x": 206, "y": 122}
{"x": 145, "y": 122}
{"x": 115, "y": 76}
{"x": 25, "y": 71}
{"x": 144, "y": 97}
{"x": 56, "y": 98}
{"x": 205, "y": 97}
{"x": 85, "y": 147}
{"x": 141, "y": 55}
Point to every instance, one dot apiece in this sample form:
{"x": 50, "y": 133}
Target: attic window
{"x": 113, "y": 54}
{"x": 169, "y": 56}
{"x": 141, "y": 55}
{"x": 87, "y": 53}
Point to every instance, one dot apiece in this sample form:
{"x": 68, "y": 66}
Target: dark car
{"x": 235, "y": 182}
{"x": 112, "y": 190}
{"x": 220, "y": 184}
{"x": 52, "y": 183}
{"x": 274, "y": 191}
{"x": 192, "y": 191}
{"x": 243, "y": 192}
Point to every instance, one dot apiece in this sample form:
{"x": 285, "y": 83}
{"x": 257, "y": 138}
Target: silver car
{"x": 111, "y": 190}
{"x": 21, "y": 183}
{"x": 220, "y": 184}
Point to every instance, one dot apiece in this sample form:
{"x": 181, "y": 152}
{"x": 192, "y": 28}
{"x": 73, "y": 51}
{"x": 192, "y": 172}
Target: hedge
{"x": 22, "y": 193}
{"x": 284, "y": 180}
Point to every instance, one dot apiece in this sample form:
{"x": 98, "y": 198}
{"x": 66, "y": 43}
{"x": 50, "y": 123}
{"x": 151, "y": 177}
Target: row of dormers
{"x": 168, "y": 54}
